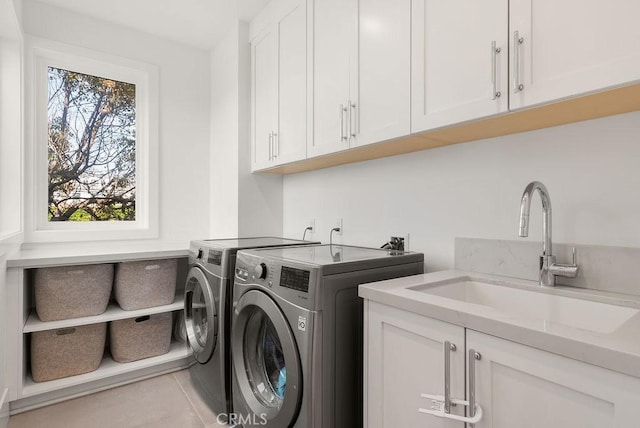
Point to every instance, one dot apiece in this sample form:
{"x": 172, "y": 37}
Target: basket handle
{"x": 143, "y": 319}
{"x": 64, "y": 331}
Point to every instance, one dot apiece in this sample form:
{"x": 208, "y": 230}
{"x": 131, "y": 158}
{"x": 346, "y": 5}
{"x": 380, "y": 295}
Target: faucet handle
{"x": 566, "y": 270}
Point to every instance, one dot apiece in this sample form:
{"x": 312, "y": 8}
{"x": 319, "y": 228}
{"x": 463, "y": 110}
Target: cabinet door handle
{"x": 343, "y": 134}
{"x": 494, "y": 73}
{"x": 517, "y": 41}
{"x": 352, "y": 115}
{"x": 473, "y": 357}
{"x": 276, "y": 145}
{"x": 448, "y": 348}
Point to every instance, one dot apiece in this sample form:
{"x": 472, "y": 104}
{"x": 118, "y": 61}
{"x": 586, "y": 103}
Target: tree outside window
{"x": 91, "y": 148}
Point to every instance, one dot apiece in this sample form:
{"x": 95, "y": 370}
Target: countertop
{"x": 74, "y": 253}
{"x": 618, "y": 350}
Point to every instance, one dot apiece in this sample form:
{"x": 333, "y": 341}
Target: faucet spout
{"x": 525, "y": 208}
{"x": 549, "y": 269}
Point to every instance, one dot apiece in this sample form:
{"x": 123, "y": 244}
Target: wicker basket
{"x": 72, "y": 291}
{"x": 142, "y": 337}
{"x": 145, "y": 284}
{"x": 67, "y": 351}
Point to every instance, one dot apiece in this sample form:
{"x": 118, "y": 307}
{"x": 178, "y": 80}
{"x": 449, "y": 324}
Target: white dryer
{"x": 296, "y": 339}
{"x": 207, "y": 312}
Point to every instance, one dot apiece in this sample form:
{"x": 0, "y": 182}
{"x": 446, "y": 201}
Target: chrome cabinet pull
{"x": 517, "y": 41}
{"x": 448, "y": 348}
{"x": 440, "y": 405}
{"x": 494, "y": 74}
{"x": 343, "y": 133}
{"x": 276, "y": 145}
{"x": 352, "y": 114}
{"x": 473, "y": 357}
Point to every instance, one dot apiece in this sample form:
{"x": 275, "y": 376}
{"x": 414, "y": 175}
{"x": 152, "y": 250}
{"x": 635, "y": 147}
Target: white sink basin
{"x": 534, "y": 304}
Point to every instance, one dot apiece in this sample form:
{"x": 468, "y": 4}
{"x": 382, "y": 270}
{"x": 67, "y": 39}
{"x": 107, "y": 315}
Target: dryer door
{"x": 200, "y": 315}
{"x": 266, "y": 360}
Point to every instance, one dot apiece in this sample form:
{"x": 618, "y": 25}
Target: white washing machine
{"x": 296, "y": 340}
{"x": 207, "y": 312}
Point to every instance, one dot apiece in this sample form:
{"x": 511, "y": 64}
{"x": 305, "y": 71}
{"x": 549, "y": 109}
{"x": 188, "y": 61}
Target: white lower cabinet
{"x": 517, "y": 385}
{"x": 514, "y": 384}
{"x": 404, "y": 354}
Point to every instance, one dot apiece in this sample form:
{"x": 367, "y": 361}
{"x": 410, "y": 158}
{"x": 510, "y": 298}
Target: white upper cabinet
{"x": 333, "y": 36}
{"x": 361, "y": 73}
{"x": 332, "y": 75}
{"x": 459, "y": 61}
{"x": 571, "y": 47}
{"x": 265, "y": 97}
{"x": 381, "y": 98}
{"x": 279, "y": 88}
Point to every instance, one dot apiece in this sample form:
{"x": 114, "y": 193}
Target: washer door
{"x": 266, "y": 360}
{"x": 200, "y": 315}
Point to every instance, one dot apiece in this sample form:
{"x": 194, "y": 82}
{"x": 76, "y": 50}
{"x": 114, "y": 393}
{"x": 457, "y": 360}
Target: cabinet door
{"x": 454, "y": 66}
{"x": 404, "y": 358}
{"x": 265, "y": 97}
{"x": 291, "y": 139}
{"x": 333, "y": 32}
{"x": 525, "y": 387}
{"x": 381, "y": 83}
{"x": 573, "y": 47}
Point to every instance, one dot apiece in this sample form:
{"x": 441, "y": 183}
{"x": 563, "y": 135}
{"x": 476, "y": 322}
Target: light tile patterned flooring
{"x": 164, "y": 401}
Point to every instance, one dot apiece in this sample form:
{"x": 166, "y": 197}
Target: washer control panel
{"x": 292, "y": 281}
{"x": 260, "y": 271}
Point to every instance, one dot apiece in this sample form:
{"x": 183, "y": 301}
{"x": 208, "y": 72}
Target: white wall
{"x": 4, "y": 405}
{"x": 591, "y": 170}
{"x": 10, "y": 168}
{"x": 10, "y": 137}
{"x": 184, "y": 108}
{"x": 10, "y": 123}
{"x": 242, "y": 204}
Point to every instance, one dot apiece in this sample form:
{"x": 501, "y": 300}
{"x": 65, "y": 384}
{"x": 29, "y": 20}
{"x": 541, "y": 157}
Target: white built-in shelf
{"x": 113, "y": 312}
{"x": 108, "y": 368}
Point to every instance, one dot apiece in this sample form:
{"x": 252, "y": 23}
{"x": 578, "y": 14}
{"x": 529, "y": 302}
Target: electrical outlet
{"x": 338, "y": 225}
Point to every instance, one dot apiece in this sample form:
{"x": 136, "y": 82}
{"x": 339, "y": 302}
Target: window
{"x": 94, "y": 146}
{"x": 91, "y": 148}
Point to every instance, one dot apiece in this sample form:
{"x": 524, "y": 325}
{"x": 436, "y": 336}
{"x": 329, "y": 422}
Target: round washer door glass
{"x": 200, "y": 315}
{"x": 266, "y": 361}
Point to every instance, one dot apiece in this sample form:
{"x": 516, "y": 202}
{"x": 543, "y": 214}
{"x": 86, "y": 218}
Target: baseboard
{"x": 4, "y": 409}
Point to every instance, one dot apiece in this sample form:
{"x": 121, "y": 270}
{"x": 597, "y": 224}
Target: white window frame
{"x": 45, "y": 54}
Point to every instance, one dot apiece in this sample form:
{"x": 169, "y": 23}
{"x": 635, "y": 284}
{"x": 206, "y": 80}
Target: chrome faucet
{"x": 549, "y": 269}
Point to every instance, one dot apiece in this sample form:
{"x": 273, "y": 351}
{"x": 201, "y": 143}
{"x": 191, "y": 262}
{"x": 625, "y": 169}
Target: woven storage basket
{"x": 145, "y": 284}
{"x": 142, "y": 337}
{"x": 72, "y": 291}
{"x": 67, "y": 351}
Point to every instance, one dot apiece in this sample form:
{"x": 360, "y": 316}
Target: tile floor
{"x": 164, "y": 401}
